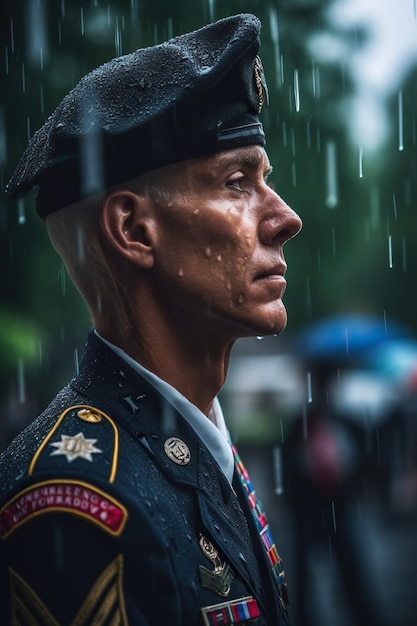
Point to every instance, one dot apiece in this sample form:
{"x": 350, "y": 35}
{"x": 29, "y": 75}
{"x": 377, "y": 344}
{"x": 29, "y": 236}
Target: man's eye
{"x": 236, "y": 183}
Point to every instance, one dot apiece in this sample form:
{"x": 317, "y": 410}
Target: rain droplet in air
{"x": 36, "y": 32}
{"x": 91, "y": 152}
{"x": 62, "y": 278}
{"x": 390, "y": 263}
{"x": 277, "y": 461}
{"x": 331, "y": 175}
{"x": 76, "y": 362}
{"x": 400, "y": 122}
{"x": 394, "y": 206}
{"x": 318, "y": 140}
{"x": 21, "y": 216}
{"x": 375, "y": 206}
{"x": 296, "y": 91}
{"x": 309, "y": 389}
{"x": 284, "y": 134}
{"x": 360, "y": 161}
{"x": 334, "y": 516}
{"x": 211, "y": 10}
{"x": 273, "y": 25}
{"x": 315, "y": 77}
{"x": 117, "y": 38}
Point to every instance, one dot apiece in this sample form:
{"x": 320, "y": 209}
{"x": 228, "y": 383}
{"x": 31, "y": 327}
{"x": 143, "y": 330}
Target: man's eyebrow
{"x": 250, "y": 160}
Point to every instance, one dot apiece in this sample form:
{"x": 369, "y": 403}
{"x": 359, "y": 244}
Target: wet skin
{"x": 219, "y": 244}
{"x": 199, "y": 269}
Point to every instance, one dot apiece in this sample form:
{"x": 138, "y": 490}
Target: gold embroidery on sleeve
{"x": 104, "y": 602}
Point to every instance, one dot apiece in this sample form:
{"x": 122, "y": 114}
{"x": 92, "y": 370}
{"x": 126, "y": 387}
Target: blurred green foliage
{"x": 341, "y": 259}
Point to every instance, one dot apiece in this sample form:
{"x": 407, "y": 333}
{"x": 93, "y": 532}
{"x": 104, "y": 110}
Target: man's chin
{"x": 273, "y": 326}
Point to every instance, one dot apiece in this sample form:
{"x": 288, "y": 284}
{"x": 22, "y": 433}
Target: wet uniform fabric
{"x": 113, "y": 511}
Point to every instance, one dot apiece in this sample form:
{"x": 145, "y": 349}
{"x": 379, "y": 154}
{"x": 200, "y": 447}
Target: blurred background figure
{"x": 343, "y": 455}
{"x": 333, "y": 446}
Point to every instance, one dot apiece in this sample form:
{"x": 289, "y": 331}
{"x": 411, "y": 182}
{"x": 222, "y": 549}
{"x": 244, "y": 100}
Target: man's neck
{"x": 193, "y": 362}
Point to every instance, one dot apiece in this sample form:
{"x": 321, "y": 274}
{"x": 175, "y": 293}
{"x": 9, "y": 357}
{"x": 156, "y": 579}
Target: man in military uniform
{"x": 125, "y": 502}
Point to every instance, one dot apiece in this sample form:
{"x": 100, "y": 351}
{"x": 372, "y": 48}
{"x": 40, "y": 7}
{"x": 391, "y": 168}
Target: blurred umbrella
{"x": 396, "y": 359}
{"x": 345, "y": 337}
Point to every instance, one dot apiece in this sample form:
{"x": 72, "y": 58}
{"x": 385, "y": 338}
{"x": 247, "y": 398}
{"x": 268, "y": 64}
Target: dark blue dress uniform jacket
{"x": 98, "y": 525}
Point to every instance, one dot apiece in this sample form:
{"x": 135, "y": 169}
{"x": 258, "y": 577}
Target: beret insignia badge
{"x": 260, "y": 82}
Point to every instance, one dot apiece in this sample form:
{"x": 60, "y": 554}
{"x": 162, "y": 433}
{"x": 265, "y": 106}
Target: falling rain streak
{"x": 277, "y": 464}
{"x": 118, "y": 38}
{"x": 334, "y": 516}
{"x": 76, "y": 362}
{"x": 394, "y": 206}
{"x": 62, "y": 279}
{"x": 400, "y": 122}
{"x": 309, "y": 389}
{"x": 273, "y": 25}
{"x": 21, "y": 216}
{"x": 315, "y": 77}
{"x": 296, "y": 91}
{"x": 390, "y": 263}
{"x": 360, "y": 161}
{"x": 36, "y": 33}
{"x": 331, "y": 175}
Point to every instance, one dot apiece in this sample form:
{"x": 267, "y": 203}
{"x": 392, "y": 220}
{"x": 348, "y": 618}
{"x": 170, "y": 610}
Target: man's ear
{"x": 126, "y": 220}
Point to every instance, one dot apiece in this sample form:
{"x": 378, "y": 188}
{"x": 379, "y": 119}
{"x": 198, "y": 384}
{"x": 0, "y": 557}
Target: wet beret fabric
{"x": 196, "y": 94}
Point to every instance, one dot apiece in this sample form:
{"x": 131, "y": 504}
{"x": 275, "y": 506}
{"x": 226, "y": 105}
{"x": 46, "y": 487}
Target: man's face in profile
{"x": 219, "y": 258}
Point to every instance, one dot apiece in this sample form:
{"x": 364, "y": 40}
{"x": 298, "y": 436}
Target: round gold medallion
{"x": 177, "y": 450}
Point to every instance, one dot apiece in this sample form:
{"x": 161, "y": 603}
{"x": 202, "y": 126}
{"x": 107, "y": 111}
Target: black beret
{"x": 196, "y": 94}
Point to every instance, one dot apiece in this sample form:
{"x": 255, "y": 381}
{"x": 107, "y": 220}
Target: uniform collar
{"x": 212, "y": 429}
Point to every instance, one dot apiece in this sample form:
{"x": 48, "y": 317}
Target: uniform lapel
{"x": 120, "y": 391}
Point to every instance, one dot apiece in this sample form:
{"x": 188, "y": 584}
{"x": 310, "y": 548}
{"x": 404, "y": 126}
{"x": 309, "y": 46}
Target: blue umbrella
{"x": 346, "y": 337}
{"x": 395, "y": 358}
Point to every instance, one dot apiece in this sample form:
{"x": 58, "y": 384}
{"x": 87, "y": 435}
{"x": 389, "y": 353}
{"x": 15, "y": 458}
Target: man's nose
{"x": 280, "y": 223}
